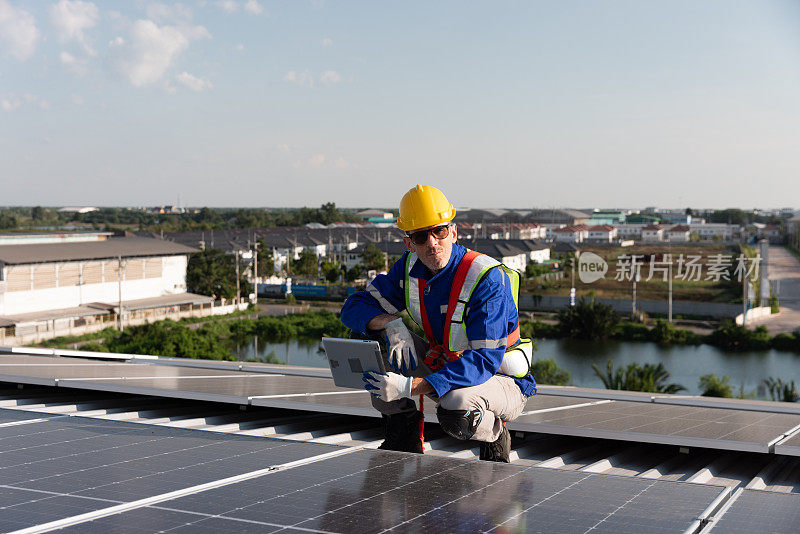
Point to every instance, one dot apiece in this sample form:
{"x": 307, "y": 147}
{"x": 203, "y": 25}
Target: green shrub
{"x": 632, "y": 332}
{"x": 713, "y": 386}
{"x": 547, "y": 371}
{"x": 735, "y": 338}
{"x": 787, "y": 342}
{"x": 588, "y": 319}
{"x": 538, "y": 329}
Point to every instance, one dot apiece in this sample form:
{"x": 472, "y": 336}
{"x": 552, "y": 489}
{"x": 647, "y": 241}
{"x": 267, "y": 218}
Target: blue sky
{"x": 500, "y": 104}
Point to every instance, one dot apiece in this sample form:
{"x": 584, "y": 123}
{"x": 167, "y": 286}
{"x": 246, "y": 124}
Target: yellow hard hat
{"x": 424, "y": 206}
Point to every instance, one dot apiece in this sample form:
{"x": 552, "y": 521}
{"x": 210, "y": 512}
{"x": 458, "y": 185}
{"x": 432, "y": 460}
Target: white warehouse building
{"x": 53, "y": 286}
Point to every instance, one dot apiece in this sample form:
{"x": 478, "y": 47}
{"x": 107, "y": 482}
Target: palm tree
{"x": 636, "y": 377}
{"x": 781, "y": 391}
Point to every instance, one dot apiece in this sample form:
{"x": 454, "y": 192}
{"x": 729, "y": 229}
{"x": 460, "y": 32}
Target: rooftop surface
{"x": 95, "y": 445}
{"x": 125, "y": 247}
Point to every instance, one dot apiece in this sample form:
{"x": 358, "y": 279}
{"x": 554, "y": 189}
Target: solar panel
{"x": 67, "y": 466}
{"x": 237, "y": 389}
{"x": 789, "y": 447}
{"x": 759, "y": 511}
{"x": 665, "y": 424}
{"x": 372, "y": 491}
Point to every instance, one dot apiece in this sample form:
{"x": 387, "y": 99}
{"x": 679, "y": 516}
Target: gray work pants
{"x": 499, "y": 398}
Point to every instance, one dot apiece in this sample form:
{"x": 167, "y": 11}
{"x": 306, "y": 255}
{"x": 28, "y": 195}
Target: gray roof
{"x": 126, "y": 247}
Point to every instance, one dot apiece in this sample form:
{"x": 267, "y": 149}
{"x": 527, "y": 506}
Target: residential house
{"x": 652, "y": 233}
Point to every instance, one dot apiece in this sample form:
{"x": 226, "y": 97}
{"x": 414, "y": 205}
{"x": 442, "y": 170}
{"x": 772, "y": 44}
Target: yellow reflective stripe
{"x": 385, "y": 304}
{"x": 412, "y": 291}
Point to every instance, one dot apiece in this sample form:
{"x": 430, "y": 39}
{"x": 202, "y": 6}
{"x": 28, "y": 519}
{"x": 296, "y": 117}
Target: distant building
{"x": 678, "y": 234}
{"x": 652, "y": 233}
{"x": 48, "y": 287}
{"x": 642, "y": 219}
{"x": 72, "y": 209}
{"x": 602, "y": 233}
{"x": 607, "y": 217}
{"x": 376, "y": 216}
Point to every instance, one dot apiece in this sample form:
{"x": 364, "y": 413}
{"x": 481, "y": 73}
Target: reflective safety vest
{"x": 471, "y": 270}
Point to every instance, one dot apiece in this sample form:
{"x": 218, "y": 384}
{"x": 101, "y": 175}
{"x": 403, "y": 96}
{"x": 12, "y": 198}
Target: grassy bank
{"x": 214, "y": 339}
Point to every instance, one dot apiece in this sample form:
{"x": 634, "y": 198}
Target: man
{"x": 465, "y": 304}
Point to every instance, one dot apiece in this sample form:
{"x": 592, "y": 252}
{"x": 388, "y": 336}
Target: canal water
{"x": 685, "y": 363}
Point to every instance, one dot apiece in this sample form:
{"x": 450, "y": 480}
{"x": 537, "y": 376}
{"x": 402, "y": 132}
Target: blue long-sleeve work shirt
{"x": 491, "y": 315}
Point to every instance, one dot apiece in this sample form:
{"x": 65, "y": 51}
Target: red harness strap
{"x": 439, "y": 354}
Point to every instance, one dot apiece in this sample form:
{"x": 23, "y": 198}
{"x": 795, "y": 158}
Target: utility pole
{"x": 238, "y": 296}
{"x": 119, "y": 292}
{"x": 669, "y": 301}
{"x": 744, "y": 298}
{"x": 255, "y": 270}
{"x": 572, "y": 288}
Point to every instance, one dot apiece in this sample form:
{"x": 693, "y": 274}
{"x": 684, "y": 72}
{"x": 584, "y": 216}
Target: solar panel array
{"x": 102, "y": 476}
{"x": 639, "y": 417}
{"x": 760, "y": 511}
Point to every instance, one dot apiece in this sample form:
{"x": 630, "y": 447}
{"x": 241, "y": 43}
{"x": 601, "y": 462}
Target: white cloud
{"x": 151, "y": 49}
{"x": 239, "y": 47}
{"x": 77, "y": 100}
{"x": 163, "y": 13}
{"x": 303, "y": 79}
{"x": 327, "y": 41}
{"x": 330, "y": 77}
{"x": 253, "y": 7}
{"x": 283, "y": 147}
{"x": 320, "y": 161}
{"x": 71, "y": 19}
{"x": 193, "y": 83}
{"x": 18, "y": 32}
{"x": 228, "y": 6}
{"x": 76, "y": 66}
{"x": 10, "y": 103}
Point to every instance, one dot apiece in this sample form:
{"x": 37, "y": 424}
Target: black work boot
{"x": 402, "y": 432}
{"x": 499, "y": 450}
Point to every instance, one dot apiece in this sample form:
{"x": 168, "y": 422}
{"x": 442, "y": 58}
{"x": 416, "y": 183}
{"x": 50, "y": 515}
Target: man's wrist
{"x": 379, "y": 322}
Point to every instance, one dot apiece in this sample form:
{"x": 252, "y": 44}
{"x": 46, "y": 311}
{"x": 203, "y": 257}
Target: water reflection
{"x": 304, "y": 351}
{"x": 685, "y": 363}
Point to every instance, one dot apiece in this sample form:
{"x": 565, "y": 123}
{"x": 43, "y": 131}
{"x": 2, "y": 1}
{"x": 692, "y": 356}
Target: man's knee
{"x": 461, "y": 424}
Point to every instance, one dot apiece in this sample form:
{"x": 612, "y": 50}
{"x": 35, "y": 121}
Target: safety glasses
{"x": 421, "y": 237}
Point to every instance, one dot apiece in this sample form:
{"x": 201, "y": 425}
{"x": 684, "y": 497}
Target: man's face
{"x": 434, "y": 252}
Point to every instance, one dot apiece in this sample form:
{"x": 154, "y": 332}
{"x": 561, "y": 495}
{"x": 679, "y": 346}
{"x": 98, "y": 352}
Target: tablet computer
{"x": 350, "y": 358}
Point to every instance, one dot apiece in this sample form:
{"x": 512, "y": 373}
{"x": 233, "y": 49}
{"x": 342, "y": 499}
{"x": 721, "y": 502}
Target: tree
{"x": 330, "y": 271}
{"x": 266, "y": 261}
{"x": 637, "y": 377}
{"x": 372, "y": 258}
{"x": 8, "y": 221}
{"x": 306, "y": 265}
{"x": 37, "y": 213}
{"x": 713, "y": 386}
{"x": 354, "y": 273}
{"x": 212, "y": 272}
{"x": 588, "y": 319}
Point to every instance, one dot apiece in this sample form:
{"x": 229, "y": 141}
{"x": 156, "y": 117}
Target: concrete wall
{"x": 623, "y": 306}
{"x": 754, "y": 313}
{"x": 172, "y": 280}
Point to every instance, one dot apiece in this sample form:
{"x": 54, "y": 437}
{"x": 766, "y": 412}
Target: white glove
{"x": 388, "y": 387}
{"x": 401, "y": 347}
